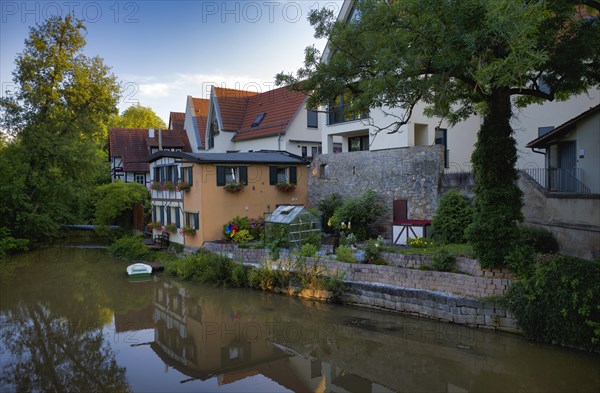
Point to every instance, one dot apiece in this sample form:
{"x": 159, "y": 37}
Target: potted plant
{"x": 189, "y": 231}
{"x": 285, "y": 187}
{"x": 171, "y": 228}
{"x": 169, "y": 186}
{"x": 154, "y": 225}
{"x": 156, "y": 186}
{"x": 234, "y": 187}
{"x": 183, "y": 186}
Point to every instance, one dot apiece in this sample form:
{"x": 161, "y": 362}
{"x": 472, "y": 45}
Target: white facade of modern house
{"x": 370, "y": 132}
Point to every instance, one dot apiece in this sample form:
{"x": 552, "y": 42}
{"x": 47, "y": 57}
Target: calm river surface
{"x": 71, "y": 321}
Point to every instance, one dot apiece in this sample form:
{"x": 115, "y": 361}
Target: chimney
{"x": 159, "y": 139}
{"x": 151, "y": 133}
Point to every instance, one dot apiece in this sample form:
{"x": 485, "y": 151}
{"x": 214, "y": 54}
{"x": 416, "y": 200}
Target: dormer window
{"x": 259, "y": 118}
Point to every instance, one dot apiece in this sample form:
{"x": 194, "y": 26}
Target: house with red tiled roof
{"x": 240, "y": 121}
{"x": 128, "y": 149}
{"x": 196, "y": 111}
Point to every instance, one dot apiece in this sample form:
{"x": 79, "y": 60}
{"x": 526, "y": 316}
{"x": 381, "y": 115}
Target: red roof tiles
{"x": 232, "y": 105}
{"x": 133, "y": 145}
{"x": 239, "y": 110}
{"x": 176, "y": 121}
{"x": 201, "y": 115}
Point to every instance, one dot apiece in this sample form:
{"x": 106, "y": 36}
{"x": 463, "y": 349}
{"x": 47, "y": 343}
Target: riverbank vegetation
{"x": 557, "y": 300}
{"x": 289, "y": 276}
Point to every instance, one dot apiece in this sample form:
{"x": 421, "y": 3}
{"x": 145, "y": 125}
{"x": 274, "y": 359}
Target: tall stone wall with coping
{"x": 404, "y": 287}
{"x": 411, "y": 173}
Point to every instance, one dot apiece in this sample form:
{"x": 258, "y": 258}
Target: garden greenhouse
{"x": 292, "y": 225}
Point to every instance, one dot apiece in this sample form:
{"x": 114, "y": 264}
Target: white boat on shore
{"x": 139, "y": 271}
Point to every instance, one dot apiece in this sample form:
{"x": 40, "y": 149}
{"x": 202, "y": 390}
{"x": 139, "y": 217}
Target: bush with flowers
{"x": 253, "y": 229}
{"x": 419, "y": 242}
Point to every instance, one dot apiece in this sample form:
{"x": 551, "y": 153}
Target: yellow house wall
{"x": 216, "y": 206}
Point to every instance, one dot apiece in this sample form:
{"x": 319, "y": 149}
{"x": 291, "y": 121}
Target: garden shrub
{"x": 239, "y": 275}
{"x": 204, "y": 267}
{"x": 243, "y": 236}
{"x": 451, "y": 218}
{"x": 250, "y": 229}
{"x": 130, "y": 248}
{"x": 327, "y": 207}
{"x": 559, "y": 302}
{"x": 443, "y": 261}
{"x": 363, "y": 212}
{"x": 373, "y": 248}
{"x": 345, "y": 254}
{"x": 313, "y": 238}
{"x": 541, "y": 239}
{"x": 308, "y": 250}
{"x": 531, "y": 240}
{"x": 419, "y": 242}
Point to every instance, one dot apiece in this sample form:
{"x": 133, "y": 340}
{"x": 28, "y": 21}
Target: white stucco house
{"x": 360, "y": 131}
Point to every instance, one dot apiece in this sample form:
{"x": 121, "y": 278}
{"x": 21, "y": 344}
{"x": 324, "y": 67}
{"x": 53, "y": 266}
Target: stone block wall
{"x": 460, "y": 310}
{"x": 411, "y": 173}
{"x": 450, "y": 297}
{"x": 405, "y": 273}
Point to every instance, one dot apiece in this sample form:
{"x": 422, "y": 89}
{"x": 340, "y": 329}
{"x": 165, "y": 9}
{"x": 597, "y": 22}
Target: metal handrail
{"x": 559, "y": 179}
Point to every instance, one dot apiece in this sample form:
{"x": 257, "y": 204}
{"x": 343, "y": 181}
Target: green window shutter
{"x": 177, "y": 218}
{"x": 162, "y": 215}
{"x": 154, "y": 217}
{"x": 168, "y": 214}
{"x": 220, "y": 176}
{"x": 243, "y": 170}
{"x": 272, "y": 175}
{"x": 190, "y": 175}
{"x": 293, "y": 175}
{"x": 181, "y": 169}
{"x": 196, "y": 221}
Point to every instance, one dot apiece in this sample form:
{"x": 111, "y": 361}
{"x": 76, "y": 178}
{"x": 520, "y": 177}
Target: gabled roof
{"x": 133, "y": 145}
{"x": 201, "y": 114}
{"x": 176, "y": 120}
{"x": 542, "y": 141}
{"x": 240, "y": 108}
{"x": 279, "y": 105}
{"x": 232, "y": 105}
{"x": 268, "y": 157}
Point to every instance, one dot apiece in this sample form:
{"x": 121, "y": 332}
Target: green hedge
{"x": 207, "y": 267}
{"x": 559, "y": 302}
{"x": 452, "y": 217}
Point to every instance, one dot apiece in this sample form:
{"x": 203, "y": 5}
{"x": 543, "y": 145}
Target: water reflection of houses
{"x": 204, "y": 339}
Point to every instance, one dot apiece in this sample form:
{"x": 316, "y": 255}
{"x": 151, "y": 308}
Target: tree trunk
{"x": 498, "y": 200}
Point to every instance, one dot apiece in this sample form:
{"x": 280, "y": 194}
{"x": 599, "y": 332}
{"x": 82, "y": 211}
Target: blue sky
{"x": 163, "y": 51}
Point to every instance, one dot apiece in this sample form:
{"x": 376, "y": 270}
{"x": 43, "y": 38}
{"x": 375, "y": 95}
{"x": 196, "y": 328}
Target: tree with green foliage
{"x": 459, "y": 58}
{"x": 137, "y": 116}
{"x": 115, "y": 201}
{"x": 57, "y": 118}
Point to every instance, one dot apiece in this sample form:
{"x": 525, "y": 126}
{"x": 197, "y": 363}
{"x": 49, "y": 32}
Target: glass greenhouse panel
{"x": 292, "y": 225}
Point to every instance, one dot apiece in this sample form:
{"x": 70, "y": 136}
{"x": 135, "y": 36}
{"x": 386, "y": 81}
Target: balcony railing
{"x": 559, "y": 179}
{"x": 337, "y": 114}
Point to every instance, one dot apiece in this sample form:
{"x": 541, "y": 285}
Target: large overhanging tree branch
{"x": 459, "y": 57}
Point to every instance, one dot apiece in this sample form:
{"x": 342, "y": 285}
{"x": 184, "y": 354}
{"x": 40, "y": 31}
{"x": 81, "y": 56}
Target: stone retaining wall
{"x": 410, "y": 173}
{"x": 404, "y": 272}
{"x": 403, "y": 288}
{"x": 460, "y": 310}
{"x": 464, "y": 265}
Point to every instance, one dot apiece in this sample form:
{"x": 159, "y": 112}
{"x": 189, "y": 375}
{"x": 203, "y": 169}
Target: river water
{"x": 71, "y": 321}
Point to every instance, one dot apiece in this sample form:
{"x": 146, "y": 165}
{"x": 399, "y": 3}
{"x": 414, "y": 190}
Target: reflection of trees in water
{"x": 49, "y": 354}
